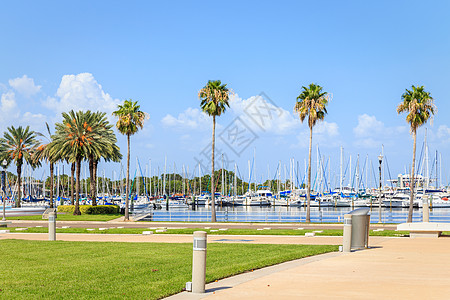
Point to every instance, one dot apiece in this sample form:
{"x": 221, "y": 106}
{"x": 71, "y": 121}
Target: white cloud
{"x": 256, "y": 112}
{"x": 367, "y": 126}
{"x": 260, "y": 114}
{"x": 9, "y": 110}
{"x": 12, "y": 115}
{"x": 81, "y": 92}
{"x": 325, "y": 134}
{"x": 443, "y": 132}
{"x": 326, "y": 128}
{"x": 191, "y": 118}
{"x": 36, "y": 121}
{"x": 25, "y": 86}
{"x": 8, "y": 104}
{"x": 367, "y": 143}
{"x": 370, "y": 132}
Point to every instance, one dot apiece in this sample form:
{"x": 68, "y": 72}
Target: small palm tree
{"x": 19, "y": 144}
{"x": 311, "y": 103}
{"x": 214, "y": 98}
{"x": 420, "y": 108}
{"x": 131, "y": 119}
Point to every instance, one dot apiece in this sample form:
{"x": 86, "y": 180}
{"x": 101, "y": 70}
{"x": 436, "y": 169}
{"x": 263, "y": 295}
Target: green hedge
{"x": 91, "y": 210}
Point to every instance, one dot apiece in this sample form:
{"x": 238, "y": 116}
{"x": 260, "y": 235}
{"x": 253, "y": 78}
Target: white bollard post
{"x": 199, "y": 262}
{"x": 52, "y": 226}
{"x": 425, "y": 210}
{"x": 347, "y": 234}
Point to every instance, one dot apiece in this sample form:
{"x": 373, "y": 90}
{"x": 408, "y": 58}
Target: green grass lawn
{"x": 325, "y": 232}
{"x": 99, "y": 270}
{"x": 70, "y": 217}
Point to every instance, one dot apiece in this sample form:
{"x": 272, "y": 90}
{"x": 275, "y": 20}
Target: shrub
{"x": 66, "y": 208}
{"x": 91, "y": 210}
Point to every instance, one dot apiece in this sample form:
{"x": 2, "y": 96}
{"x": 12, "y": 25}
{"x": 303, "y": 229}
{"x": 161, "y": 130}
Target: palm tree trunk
{"x": 94, "y": 200}
{"x": 308, "y": 189}
{"x": 213, "y": 191}
{"x": 91, "y": 179}
{"x": 19, "y": 183}
{"x": 51, "y": 183}
{"x": 411, "y": 185}
{"x": 127, "y": 216}
{"x": 72, "y": 181}
{"x": 77, "y": 188}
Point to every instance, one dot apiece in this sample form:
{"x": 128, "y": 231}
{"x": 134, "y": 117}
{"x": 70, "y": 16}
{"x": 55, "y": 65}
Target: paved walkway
{"x": 182, "y": 238}
{"x": 395, "y": 268}
{"x": 131, "y": 224}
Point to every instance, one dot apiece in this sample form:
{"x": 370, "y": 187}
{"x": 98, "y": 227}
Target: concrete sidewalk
{"x": 132, "y": 224}
{"x": 394, "y": 268}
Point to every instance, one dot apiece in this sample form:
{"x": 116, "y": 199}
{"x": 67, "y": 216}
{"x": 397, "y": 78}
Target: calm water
{"x": 287, "y": 214}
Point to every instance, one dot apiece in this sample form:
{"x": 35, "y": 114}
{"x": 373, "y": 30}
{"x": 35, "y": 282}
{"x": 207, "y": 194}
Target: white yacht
{"x": 237, "y": 201}
{"x": 260, "y": 198}
{"x": 203, "y": 199}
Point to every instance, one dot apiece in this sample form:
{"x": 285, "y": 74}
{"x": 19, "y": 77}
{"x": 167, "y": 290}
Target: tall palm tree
{"x": 19, "y": 144}
{"x": 43, "y": 153}
{"x": 131, "y": 119}
{"x": 72, "y": 181}
{"x": 420, "y": 108}
{"x": 73, "y": 140}
{"x": 214, "y": 98}
{"x": 311, "y": 103}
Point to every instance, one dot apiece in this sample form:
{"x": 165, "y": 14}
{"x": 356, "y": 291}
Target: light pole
{"x": 380, "y": 160}
{"x": 3, "y": 186}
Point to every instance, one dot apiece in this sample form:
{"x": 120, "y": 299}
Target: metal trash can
{"x": 356, "y": 229}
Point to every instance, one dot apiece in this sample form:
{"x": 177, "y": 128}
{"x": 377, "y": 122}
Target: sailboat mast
{"x": 200, "y": 176}
{"x": 341, "y": 170}
{"x": 427, "y": 174}
{"x": 436, "y": 159}
{"x": 357, "y": 173}
{"x": 249, "y": 174}
{"x": 278, "y": 177}
{"x": 57, "y": 182}
{"x": 223, "y": 179}
{"x": 150, "y": 176}
{"x": 383, "y": 164}
{"x": 440, "y": 170}
{"x": 254, "y": 166}
{"x": 318, "y": 173}
{"x": 350, "y": 173}
{"x": 164, "y": 178}
{"x": 235, "y": 181}
{"x": 367, "y": 173}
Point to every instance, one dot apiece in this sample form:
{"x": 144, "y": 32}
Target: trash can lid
{"x": 360, "y": 211}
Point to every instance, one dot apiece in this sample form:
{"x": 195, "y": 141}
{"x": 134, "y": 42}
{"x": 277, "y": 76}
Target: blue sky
{"x": 57, "y": 56}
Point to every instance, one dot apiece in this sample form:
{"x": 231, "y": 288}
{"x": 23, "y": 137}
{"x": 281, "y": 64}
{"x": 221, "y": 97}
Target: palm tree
{"x": 108, "y": 150}
{"x": 311, "y": 103}
{"x": 73, "y": 140}
{"x": 420, "y": 107}
{"x": 19, "y": 144}
{"x": 131, "y": 119}
{"x": 214, "y": 98}
{"x": 43, "y": 153}
{"x": 72, "y": 181}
